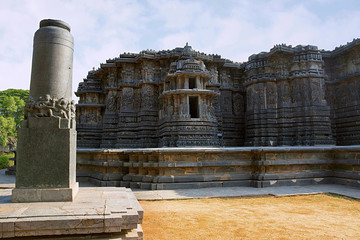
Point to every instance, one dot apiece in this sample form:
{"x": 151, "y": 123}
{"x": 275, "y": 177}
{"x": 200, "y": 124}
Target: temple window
{"x": 192, "y": 83}
{"x": 194, "y": 106}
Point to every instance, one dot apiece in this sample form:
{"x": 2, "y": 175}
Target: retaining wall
{"x": 175, "y": 168}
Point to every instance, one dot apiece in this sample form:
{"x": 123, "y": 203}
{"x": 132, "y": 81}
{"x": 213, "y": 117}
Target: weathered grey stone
{"x": 95, "y": 211}
{"x": 52, "y": 62}
{"x": 265, "y": 166}
{"x": 293, "y": 95}
{"x": 46, "y": 151}
{"x": 46, "y": 157}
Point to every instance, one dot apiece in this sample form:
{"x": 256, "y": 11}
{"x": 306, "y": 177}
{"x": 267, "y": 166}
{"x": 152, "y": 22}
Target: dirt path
{"x": 299, "y": 217}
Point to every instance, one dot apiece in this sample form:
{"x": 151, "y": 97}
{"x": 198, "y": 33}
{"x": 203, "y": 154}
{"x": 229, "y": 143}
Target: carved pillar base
{"x": 45, "y": 194}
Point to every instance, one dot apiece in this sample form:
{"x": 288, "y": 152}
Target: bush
{"x": 4, "y": 161}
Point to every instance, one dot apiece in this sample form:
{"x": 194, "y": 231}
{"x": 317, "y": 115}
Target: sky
{"x": 234, "y": 29}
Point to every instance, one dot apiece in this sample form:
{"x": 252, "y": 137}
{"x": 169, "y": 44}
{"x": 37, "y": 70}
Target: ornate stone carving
{"x": 282, "y": 89}
{"x": 118, "y": 103}
{"x": 148, "y": 72}
{"x": 127, "y": 103}
{"x": 91, "y": 118}
{"x": 111, "y": 79}
{"x": 128, "y": 74}
{"x": 214, "y": 76}
{"x": 46, "y": 106}
{"x": 238, "y": 104}
{"x": 147, "y": 97}
{"x": 225, "y": 78}
{"x": 259, "y": 98}
{"x": 111, "y": 102}
{"x": 284, "y": 92}
{"x": 316, "y": 91}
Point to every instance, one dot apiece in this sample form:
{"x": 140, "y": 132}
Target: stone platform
{"x": 105, "y": 213}
{"x": 199, "y": 167}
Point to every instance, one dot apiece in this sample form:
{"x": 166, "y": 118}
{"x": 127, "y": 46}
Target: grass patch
{"x": 4, "y": 160}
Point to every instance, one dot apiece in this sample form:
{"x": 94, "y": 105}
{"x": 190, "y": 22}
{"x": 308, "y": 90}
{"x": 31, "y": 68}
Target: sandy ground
{"x": 298, "y": 217}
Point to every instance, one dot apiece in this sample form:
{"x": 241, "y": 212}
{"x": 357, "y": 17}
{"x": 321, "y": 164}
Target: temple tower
{"x": 286, "y": 102}
{"x": 187, "y": 116}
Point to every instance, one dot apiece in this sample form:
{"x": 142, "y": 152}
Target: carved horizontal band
{"x": 46, "y": 106}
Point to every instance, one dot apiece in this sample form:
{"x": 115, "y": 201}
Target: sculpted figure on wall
{"x": 128, "y": 74}
{"x": 214, "y": 76}
{"x": 316, "y": 91}
{"x": 111, "y": 102}
{"x": 148, "y": 72}
{"x": 91, "y": 118}
{"x": 270, "y": 95}
{"x": 147, "y": 97}
{"x": 238, "y": 103}
{"x": 225, "y": 78}
{"x": 112, "y": 80}
{"x": 259, "y": 98}
{"x": 226, "y": 104}
{"x": 284, "y": 92}
{"x": 127, "y": 103}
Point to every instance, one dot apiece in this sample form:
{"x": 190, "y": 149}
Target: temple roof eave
{"x": 189, "y": 73}
{"x": 190, "y": 92}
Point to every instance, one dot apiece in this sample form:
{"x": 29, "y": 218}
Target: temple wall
{"x": 343, "y": 92}
{"x": 134, "y": 119}
{"x": 285, "y": 98}
{"x": 289, "y": 96}
{"x": 174, "y": 168}
{"x": 121, "y": 105}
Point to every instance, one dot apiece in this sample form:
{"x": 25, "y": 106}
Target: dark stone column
{"x": 46, "y": 151}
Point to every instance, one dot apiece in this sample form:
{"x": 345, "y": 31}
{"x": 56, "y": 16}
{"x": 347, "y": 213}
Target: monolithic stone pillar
{"x": 46, "y": 151}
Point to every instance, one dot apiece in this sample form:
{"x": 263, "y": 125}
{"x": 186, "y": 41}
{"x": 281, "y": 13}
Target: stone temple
{"x": 181, "y": 118}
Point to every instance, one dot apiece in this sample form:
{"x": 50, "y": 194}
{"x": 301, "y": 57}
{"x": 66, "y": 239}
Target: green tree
{"x": 12, "y": 103}
{"x": 13, "y": 107}
{"x": 23, "y": 94}
{"x": 7, "y": 130}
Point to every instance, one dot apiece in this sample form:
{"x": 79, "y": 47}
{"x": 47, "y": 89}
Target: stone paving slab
{"x": 95, "y": 210}
{"x": 9, "y": 182}
{"x": 246, "y": 192}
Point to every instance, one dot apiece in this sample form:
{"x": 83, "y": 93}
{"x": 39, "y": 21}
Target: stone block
{"x": 45, "y": 195}
{"x": 7, "y": 228}
{"x": 243, "y": 183}
{"x": 95, "y": 211}
{"x": 40, "y": 160}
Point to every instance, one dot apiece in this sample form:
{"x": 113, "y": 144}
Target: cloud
{"x": 234, "y": 29}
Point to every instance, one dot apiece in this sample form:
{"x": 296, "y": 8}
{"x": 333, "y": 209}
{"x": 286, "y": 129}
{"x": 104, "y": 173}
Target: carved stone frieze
{"x": 46, "y": 106}
{"x": 287, "y": 96}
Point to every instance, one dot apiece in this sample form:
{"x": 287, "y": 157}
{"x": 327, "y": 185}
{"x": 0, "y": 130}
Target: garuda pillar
{"x": 46, "y": 151}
